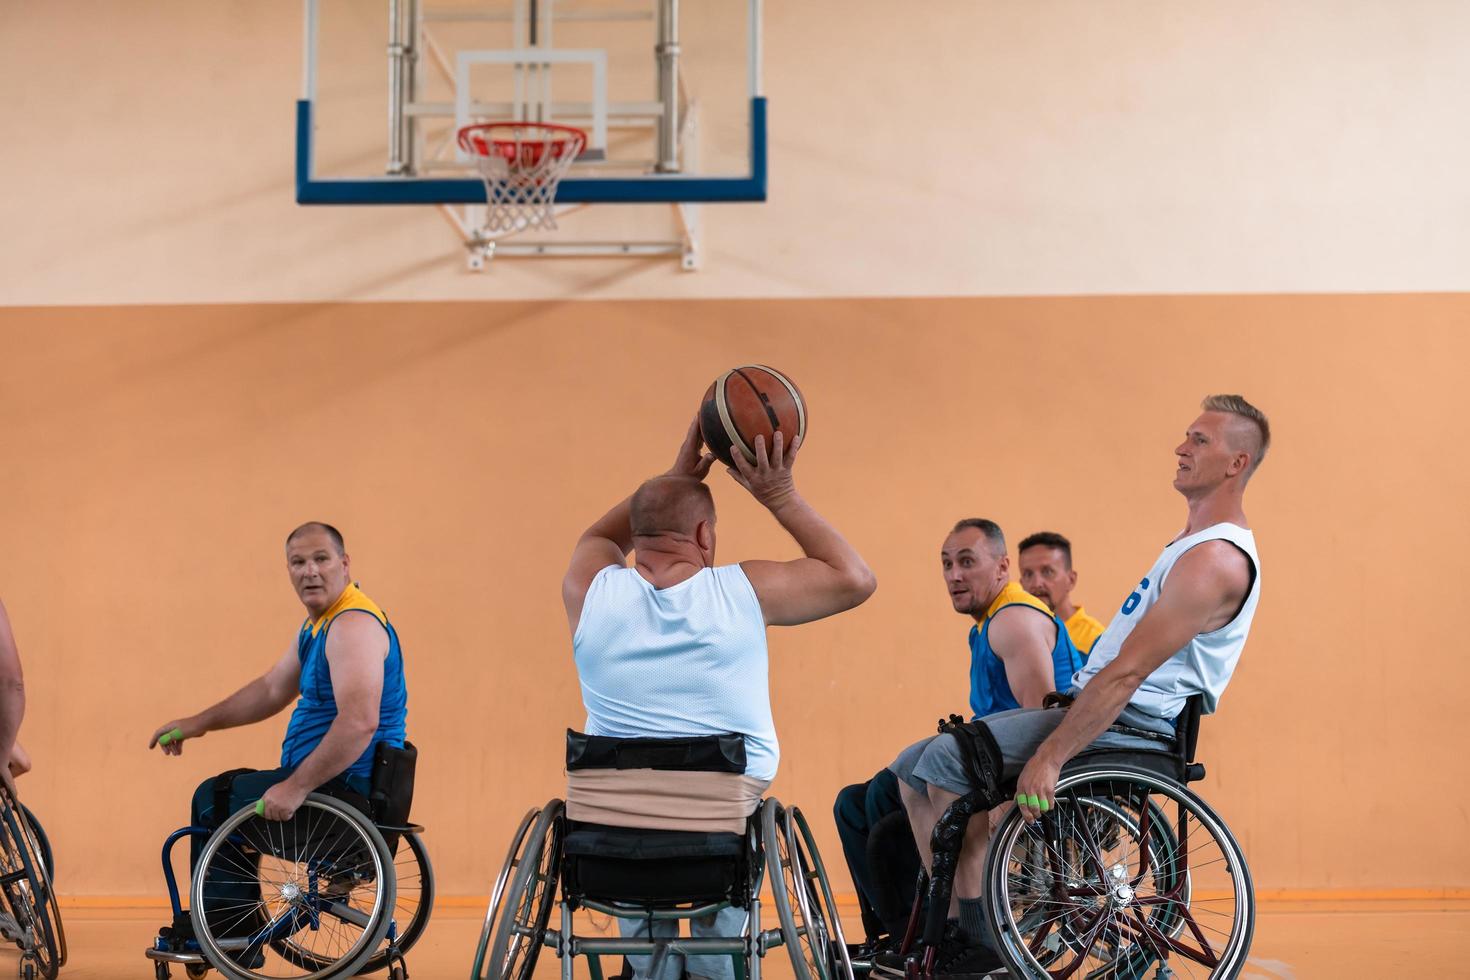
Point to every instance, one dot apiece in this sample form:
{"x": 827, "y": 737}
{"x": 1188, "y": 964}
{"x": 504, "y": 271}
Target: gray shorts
{"x": 1019, "y": 733}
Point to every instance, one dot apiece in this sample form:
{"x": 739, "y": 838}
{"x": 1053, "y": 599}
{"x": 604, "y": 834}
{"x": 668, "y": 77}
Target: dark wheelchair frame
{"x": 348, "y": 843}
{"x": 29, "y": 915}
{"x": 660, "y": 875}
{"x": 1105, "y": 883}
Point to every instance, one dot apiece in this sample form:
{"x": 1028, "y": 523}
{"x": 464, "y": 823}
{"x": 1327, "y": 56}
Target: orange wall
{"x": 155, "y": 456}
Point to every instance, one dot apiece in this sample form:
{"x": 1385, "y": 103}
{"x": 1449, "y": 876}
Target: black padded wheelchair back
{"x": 654, "y": 868}
{"x": 391, "y": 797}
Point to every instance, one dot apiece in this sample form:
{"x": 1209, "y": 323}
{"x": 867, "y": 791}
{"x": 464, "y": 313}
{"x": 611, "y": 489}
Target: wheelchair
{"x": 659, "y": 876}
{"x": 29, "y": 916}
{"x": 1131, "y": 875}
{"x": 343, "y": 888}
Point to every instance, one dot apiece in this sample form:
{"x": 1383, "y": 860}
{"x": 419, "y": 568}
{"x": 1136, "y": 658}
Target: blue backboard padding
{"x": 661, "y": 189}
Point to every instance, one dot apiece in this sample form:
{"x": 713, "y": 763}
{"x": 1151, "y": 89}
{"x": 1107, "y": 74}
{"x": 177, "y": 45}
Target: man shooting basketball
{"x": 1179, "y": 634}
{"x": 675, "y": 645}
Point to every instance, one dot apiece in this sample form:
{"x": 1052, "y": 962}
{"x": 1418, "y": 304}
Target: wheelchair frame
{"x": 778, "y": 843}
{"x": 31, "y": 918}
{"x": 307, "y": 909}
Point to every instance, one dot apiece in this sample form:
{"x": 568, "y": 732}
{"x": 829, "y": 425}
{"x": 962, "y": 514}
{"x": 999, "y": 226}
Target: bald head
{"x": 670, "y": 505}
{"x": 327, "y": 529}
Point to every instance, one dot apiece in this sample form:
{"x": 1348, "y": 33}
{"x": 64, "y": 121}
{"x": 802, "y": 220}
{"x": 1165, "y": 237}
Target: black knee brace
{"x": 983, "y": 766}
{"x": 983, "y": 761}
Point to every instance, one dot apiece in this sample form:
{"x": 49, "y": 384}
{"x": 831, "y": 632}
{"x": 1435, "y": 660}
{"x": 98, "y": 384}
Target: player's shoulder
{"x": 1217, "y": 563}
{"x": 1020, "y": 622}
{"x": 355, "y": 624}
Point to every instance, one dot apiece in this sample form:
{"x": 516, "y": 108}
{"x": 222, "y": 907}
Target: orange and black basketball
{"x": 746, "y": 402}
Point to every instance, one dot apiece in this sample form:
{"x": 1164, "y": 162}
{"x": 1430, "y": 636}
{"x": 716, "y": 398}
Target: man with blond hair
{"x": 1179, "y": 634}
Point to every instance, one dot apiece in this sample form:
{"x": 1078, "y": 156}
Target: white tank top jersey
{"x": 686, "y": 660}
{"x": 1205, "y": 663}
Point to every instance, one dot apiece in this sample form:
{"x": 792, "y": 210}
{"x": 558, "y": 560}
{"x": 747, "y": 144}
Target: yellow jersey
{"x": 1084, "y": 630}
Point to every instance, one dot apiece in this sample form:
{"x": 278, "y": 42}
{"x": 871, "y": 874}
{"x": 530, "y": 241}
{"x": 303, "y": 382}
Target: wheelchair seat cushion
{"x": 654, "y": 868}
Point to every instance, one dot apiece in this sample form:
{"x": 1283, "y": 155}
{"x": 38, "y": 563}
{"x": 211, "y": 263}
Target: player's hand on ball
{"x": 769, "y": 478}
{"x": 690, "y": 461}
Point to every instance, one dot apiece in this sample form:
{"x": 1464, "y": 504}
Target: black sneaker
{"x": 964, "y": 959}
{"x": 861, "y": 954}
{"x": 890, "y": 962}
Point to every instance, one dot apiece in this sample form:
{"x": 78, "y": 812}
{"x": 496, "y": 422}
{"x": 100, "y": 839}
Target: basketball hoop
{"x": 521, "y": 163}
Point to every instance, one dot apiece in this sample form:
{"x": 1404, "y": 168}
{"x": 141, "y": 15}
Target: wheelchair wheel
{"x": 316, "y": 890}
{"x": 809, "y": 926}
{"x": 43, "y": 843}
{"x": 823, "y": 907}
{"x": 1130, "y": 876}
{"x": 521, "y": 901}
{"x": 412, "y": 906}
{"x": 27, "y": 890}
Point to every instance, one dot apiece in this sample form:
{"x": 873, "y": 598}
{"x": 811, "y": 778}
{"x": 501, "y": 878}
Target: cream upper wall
{"x": 950, "y": 148}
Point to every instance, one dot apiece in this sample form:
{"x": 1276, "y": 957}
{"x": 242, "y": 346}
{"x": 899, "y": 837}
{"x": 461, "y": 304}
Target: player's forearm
{"x": 12, "y": 710}
{"x": 820, "y": 541}
{"x": 344, "y": 744}
{"x": 253, "y": 702}
{"x": 1096, "y": 708}
{"x": 615, "y": 525}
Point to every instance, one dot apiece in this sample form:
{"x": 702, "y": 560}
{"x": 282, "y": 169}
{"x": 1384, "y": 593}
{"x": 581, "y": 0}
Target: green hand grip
{"x": 177, "y": 735}
{"x": 260, "y": 808}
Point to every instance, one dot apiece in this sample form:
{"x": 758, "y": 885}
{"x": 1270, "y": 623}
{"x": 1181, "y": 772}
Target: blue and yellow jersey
{"x": 1084, "y": 631}
{"x": 990, "y": 691}
{"x": 316, "y": 709}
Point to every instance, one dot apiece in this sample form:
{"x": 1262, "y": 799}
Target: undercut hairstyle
{"x": 993, "y": 534}
{"x": 332, "y": 533}
{"x": 1260, "y": 438}
{"x": 1048, "y": 539}
{"x": 670, "y": 505}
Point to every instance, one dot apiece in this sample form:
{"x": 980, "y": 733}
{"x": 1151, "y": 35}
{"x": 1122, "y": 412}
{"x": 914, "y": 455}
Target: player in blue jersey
{"x": 344, "y": 670}
{"x": 1019, "y": 651}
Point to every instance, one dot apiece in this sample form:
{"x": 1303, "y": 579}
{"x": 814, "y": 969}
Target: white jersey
{"x": 686, "y": 660}
{"x": 1205, "y": 663}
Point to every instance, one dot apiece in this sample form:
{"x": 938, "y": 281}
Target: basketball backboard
{"x": 668, "y": 92}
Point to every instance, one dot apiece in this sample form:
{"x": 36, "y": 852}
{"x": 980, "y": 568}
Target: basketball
{"x": 746, "y": 402}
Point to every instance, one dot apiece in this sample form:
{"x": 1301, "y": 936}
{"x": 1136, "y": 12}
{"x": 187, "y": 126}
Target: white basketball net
{"x": 521, "y": 163}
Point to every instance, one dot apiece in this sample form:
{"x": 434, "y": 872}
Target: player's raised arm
{"x": 831, "y": 578}
{"x": 609, "y": 540}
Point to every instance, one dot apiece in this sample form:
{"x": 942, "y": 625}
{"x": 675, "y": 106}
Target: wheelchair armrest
{"x": 1194, "y": 772}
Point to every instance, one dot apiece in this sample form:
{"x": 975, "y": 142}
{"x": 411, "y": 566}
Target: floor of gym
{"x": 1298, "y": 940}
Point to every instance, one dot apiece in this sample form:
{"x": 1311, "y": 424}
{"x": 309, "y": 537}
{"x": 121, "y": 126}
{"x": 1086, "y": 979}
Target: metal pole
{"x": 667, "y": 53}
{"x": 413, "y": 29}
{"x": 397, "y": 54}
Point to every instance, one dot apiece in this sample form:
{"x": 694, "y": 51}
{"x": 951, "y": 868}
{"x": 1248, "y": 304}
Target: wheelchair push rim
{"x": 325, "y": 894}
{"x": 520, "y": 906}
{"x": 1129, "y": 874}
{"x": 27, "y": 890}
